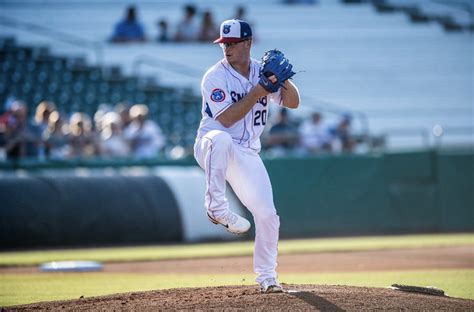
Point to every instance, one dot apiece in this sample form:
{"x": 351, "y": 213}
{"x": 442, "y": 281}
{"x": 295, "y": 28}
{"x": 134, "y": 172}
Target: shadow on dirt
{"x": 316, "y": 301}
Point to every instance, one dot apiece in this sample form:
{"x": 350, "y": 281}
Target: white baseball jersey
{"x": 231, "y": 154}
{"x": 222, "y": 86}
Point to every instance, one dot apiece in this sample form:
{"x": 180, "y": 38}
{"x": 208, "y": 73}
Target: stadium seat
{"x": 33, "y": 74}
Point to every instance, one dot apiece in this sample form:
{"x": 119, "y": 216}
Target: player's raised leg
{"x": 213, "y": 152}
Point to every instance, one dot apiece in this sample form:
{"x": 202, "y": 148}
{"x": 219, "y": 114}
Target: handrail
{"x": 409, "y": 132}
{"x": 186, "y": 70}
{"x": 465, "y": 6}
{"x": 171, "y": 66}
{"x": 97, "y": 47}
{"x": 415, "y": 112}
{"x": 437, "y": 133}
{"x": 325, "y": 106}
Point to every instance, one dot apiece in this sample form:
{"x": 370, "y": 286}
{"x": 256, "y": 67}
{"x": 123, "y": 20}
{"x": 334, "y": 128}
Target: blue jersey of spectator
{"x": 129, "y": 30}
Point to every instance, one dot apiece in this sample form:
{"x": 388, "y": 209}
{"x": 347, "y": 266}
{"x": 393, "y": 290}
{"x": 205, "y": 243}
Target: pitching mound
{"x": 296, "y": 297}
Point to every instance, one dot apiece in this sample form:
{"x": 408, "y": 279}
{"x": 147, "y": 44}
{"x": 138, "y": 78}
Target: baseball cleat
{"x": 232, "y": 222}
{"x": 270, "y": 285}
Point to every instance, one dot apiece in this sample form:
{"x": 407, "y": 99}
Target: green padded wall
{"x": 455, "y": 201}
{"x": 409, "y": 192}
{"x": 328, "y": 195}
{"x": 427, "y": 191}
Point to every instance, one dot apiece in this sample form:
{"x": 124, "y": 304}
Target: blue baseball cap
{"x": 234, "y": 30}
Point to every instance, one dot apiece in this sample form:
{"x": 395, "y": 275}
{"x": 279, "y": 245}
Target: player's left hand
{"x": 276, "y": 69}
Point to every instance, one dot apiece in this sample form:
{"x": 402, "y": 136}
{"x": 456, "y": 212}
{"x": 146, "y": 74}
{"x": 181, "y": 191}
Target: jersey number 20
{"x": 260, "y": 118}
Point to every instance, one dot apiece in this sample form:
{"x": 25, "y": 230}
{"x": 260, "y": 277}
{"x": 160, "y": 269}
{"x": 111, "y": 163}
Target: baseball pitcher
{"x": 236, "y": 92}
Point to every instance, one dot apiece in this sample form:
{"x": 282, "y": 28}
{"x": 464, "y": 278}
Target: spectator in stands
{"x": 123, "y": 110}
{"x": 283, "y": 135}
{"x": 55, "y": 137}
{"x": 240, "y": 13}
{"x": 144, "y": 136}
{"x": 129, "y": 29}
{"x": 342, "y": 139}
{"x": 209, "y": 30}
{"x": 103, "y": 109}
{"x": 43, "y": 111}
{"x": 83, "y": 141}
{"x": 163, "y": 35}
{"x": 22, "y": 137}
{"x": 314, "y": 136}
{"x": 112, "y": 139}
{"x": 186, "y": 29}
{"x": 4, "y": 119}
{"x": 300, "y": 1}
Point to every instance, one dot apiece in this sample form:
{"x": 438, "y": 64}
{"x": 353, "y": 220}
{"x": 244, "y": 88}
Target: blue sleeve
{"x": 118, "y": 30}
{"x": 140, "y": 30}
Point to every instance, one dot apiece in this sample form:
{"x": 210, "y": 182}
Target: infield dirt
{"x": 248, "y": 298}
{"x": 354, "y": 261}
{"x": 295, "y": 298}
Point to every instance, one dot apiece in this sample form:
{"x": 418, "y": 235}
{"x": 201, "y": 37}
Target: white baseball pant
{"x": 222, "y": 160}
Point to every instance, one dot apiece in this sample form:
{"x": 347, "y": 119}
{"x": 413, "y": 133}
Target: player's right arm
{"x": 238, "y": 110}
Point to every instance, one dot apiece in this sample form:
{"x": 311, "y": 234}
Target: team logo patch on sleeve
{"x": 217, "y": 95}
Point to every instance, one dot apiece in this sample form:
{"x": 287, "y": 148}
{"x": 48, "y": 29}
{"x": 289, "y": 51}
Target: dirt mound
{"x": 296, "y": 297}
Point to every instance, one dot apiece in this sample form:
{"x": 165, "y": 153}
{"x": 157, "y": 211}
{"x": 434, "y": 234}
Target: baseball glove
{"x": 275, "y": 63}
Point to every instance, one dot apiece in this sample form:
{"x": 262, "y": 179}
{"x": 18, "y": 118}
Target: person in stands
{"x": 129, "y": 29}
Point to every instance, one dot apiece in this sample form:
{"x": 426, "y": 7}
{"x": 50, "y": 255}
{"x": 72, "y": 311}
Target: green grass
{"x": 28, "y": 288}
{"x": 144, "y": 253}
